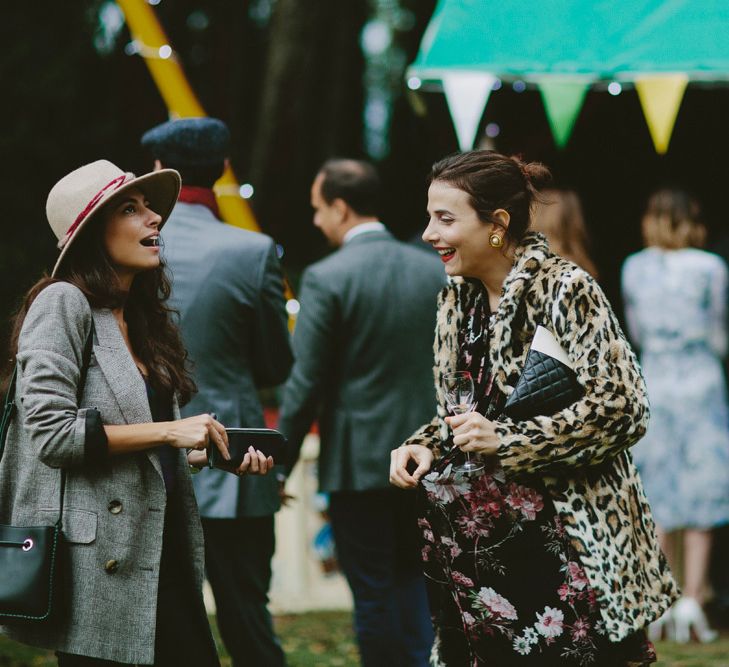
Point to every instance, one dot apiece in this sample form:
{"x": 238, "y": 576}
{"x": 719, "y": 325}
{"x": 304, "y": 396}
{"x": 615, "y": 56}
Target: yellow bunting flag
{"x": 660, "y": 96}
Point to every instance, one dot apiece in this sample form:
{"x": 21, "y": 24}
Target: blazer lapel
{"x": 122, "y": 374}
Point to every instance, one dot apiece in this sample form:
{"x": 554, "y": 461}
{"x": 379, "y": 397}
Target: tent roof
{"x": 614, "y": 39}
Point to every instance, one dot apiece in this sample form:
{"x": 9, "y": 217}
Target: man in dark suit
{"x": 363, "y": 350}
{"x": 228, "y": 289}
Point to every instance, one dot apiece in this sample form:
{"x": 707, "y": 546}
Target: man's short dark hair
{"x": 201, "y": 176}
{"x": 355, "y": 182}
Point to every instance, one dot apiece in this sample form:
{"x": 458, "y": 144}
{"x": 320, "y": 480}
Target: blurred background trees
{"x": 299, "y": 82}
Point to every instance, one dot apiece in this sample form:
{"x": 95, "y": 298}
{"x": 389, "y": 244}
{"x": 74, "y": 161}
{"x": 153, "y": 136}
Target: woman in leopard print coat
{"x": 550, "y": 556}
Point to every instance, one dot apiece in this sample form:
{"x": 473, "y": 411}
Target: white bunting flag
{"x": 467, "y": 94}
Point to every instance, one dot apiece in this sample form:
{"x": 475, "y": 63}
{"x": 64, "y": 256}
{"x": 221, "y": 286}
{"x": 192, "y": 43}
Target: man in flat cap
{"x": 228, "y": 289}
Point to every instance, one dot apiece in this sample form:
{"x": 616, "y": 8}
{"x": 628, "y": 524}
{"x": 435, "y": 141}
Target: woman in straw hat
{"x": 110, "y": 421}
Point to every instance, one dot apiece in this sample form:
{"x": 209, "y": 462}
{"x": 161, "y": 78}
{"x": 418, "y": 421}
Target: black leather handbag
{"x": 547, "y": 383}
{"x": 30, "y": 555}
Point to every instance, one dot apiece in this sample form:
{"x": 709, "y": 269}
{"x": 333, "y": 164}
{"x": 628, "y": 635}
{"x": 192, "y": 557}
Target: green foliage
{"x": 326, "y": 639}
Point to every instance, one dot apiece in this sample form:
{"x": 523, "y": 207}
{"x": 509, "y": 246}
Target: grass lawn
{"x": 325, "y": 639}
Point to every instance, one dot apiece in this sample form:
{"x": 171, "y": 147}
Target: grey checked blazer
{"x": 111, "y": 614}
{"x": 364, "y": 357}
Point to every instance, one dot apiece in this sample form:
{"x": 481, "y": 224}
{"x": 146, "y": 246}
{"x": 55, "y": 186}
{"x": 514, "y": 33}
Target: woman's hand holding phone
{"x": 254, "y": 462}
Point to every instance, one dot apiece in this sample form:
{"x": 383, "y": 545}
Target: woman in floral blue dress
{"x": 675, "y": 305}
{"x": 549, "y": 555}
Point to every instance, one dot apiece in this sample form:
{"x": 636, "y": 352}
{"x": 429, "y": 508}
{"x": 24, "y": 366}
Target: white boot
{"x": 688, "y": 615}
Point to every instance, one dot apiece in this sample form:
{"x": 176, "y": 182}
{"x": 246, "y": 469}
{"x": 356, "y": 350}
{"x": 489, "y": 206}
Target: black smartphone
{"x": 269, "y": 441}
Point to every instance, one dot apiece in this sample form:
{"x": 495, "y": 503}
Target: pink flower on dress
{"x": 580, "y": 628}
{"x": 564, "y": 592}
{"x": 526, "y": 500}
{"x": 451, "y": 544}
{"x": 425, "y": 553}
{"x": 423, "y": 523}
{"x": 578, "y": 578}
{"x": 496, "y": 604}
{"x": 477, "y": 524}
{"x": 550, "y": 624}
{"x": 444, "y": 487}
{"x": 461, "y": 579}
{"x": 468, "y": 619}
{"x": 485, "y": 496}
{"x": 428, "y": 535}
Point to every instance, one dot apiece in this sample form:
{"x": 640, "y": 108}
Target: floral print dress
{"x": 505, "y": 587}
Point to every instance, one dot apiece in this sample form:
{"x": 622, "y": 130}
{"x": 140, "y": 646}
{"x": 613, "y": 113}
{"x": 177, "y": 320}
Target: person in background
{"x": 228, "y": 289}
{"x": 558, "y": 215}
{"x": 363, "y": 369}
{"x": 101, "y": 373}
{"x": 718, "y": 571}
{"x": 548, "y": 555}
{"x": 675, "y": 306}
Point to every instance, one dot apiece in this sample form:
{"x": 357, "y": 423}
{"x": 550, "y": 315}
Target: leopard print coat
{"x": 580, "y": 452}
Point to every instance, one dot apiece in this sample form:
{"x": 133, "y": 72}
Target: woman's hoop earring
{"x": 496, "y": 241}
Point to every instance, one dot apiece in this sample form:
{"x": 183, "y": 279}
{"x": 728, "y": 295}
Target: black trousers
{"x": 238, "y": 556}
{"x": 182, "y": 634}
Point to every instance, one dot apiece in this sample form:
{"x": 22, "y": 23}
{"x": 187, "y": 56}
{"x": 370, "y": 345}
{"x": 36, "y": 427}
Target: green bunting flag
{"x": 563, "y": 99}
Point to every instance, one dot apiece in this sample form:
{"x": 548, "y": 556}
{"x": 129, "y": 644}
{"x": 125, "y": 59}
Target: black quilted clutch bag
{"x": 547, "y": 384}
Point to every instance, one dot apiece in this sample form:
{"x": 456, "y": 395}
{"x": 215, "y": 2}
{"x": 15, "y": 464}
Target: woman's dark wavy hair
{"x": 153, "y": 335}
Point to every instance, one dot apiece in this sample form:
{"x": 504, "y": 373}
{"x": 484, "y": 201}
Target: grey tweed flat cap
{"x": 188, "y": 142}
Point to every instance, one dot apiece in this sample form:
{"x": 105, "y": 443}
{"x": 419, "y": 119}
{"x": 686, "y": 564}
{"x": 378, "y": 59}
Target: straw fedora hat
{"x": 78, "y": 197}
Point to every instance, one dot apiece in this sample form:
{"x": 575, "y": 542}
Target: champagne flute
{"x": 459, "y": 394}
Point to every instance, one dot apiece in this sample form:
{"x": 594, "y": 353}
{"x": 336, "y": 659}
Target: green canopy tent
{"x": 565, "y": 48}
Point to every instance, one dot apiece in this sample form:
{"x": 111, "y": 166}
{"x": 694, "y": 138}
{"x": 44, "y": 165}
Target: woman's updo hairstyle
{"x": 494, "y": 181}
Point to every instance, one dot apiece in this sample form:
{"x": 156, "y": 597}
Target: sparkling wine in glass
{"x": 459, "y": 395}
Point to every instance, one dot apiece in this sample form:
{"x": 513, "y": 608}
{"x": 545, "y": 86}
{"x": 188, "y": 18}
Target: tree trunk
{"x": 310, "y": 110}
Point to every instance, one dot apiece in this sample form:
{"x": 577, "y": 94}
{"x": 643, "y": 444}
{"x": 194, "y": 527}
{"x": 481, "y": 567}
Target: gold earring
{"x": 496, "y": 241}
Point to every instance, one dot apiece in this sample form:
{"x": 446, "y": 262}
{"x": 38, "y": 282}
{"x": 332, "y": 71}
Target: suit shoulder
{"x": 332, "y": 263}
{"x": 422, "y": 256}
{"x": 233, "y": 243}
{"x": 60, "y": 306}
{"x": 61, "y": 296}
{"x": 245, "y": 238}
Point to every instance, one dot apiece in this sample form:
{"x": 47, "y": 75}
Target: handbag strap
{"x": 9, "y": 408}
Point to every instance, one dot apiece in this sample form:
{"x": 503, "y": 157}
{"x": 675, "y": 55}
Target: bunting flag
{"x": 563, "y": 99}
{"x": 660, "y": 96}
{"x": 467, "y": 94}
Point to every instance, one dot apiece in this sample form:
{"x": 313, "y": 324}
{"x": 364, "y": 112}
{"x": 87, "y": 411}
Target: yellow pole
{"x": 182, "y": 102}
{"x": 180, "y": 99}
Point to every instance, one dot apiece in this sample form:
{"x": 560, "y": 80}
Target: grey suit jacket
{"x": 364, "y": 357}
{"x": 109, "y": 615}
{"x": 228, "y": 289}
